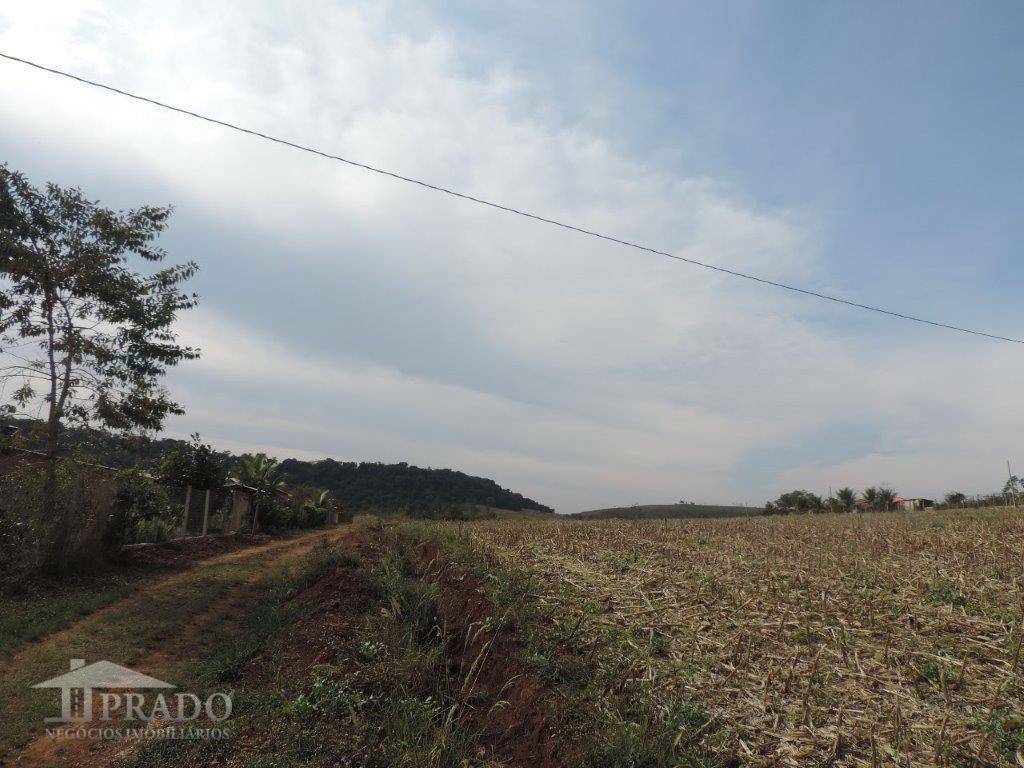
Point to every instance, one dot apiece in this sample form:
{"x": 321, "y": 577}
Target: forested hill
{"x": 388, "y": 487}
{"x": 401, "y": 485}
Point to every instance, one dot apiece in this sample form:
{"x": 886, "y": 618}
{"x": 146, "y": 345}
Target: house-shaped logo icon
{"x": 76, "y": 687}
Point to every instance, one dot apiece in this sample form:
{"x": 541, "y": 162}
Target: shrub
{"x": 345, "y": 514}
{"x": 303, "y": 507}
{"x": 153, "y": 530}
{"x": 143, "y": 512}
{"x": 17, "y": 541}
{"x": 85, "y": 504}
{"x": 273, "y": 515}
{"x": 795, "y": 501}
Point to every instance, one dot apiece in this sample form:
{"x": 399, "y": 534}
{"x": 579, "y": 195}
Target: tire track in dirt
{"x": 85, "y": 753}
{"x": 143, "y": 592}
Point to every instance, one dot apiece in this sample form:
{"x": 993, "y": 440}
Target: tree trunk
{"x": 56, "y": 559}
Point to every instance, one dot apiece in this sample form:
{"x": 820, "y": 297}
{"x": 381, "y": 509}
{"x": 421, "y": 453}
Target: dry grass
{"x": 862, "y": 640}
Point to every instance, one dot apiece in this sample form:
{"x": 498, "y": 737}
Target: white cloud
{"x": 348, "y": 314}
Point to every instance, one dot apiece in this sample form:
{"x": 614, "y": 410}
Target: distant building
{"x": 910, "y": 505}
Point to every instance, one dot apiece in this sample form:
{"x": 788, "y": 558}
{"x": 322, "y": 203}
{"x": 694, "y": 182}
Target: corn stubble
{"x": 852, "y": 640}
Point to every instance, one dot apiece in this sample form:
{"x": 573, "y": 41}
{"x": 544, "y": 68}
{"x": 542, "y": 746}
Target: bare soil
{"x": 513, "y": 705}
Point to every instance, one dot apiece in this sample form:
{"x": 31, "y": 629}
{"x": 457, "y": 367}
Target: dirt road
{"x": 157, "y": 630}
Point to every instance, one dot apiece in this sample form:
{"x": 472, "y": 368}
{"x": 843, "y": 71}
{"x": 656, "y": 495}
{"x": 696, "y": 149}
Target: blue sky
{"x": 863, "y": 149}
{"x": 898, "y": 126}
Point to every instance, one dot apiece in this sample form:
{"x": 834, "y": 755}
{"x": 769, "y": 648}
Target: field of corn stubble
{"x": 863, "y": 640}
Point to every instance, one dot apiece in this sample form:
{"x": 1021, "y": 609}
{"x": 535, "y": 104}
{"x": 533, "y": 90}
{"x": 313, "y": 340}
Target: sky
{"x": 867, "y": 149}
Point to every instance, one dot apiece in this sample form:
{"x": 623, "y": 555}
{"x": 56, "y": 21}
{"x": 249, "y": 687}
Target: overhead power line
{"x": 507, "y": 208}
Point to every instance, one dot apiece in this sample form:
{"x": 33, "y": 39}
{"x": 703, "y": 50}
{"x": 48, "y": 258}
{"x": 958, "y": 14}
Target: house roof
{"x": 103, "y": 674}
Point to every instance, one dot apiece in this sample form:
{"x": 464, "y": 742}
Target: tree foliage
{"x": 886, "y": 499}
{"x": 402, "y": 486}
{"x": 261, "y": 473}
{"x": 355, "y": 487}
{"x": 846, "y": 499}
{"x": 875, "y": 499}
{"x": 81, "y": 328}
{"x": 193, "y": 463}
{"x": 258, "y": 471}
{"x": 870, "y": 495}
{"x": 81, "y": 331}
{"x": 795, "y": 501}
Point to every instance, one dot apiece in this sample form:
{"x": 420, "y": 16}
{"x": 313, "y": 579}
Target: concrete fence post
{"x": 206, "y": 512}
{"x": 188, "y": 508}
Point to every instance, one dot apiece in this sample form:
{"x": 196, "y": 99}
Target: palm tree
{"x": 259, "y": 472}
{"x": 847, "y": 498}
{"x": 317, "y": 509}
{"x": 870, "y": 496}
{"x": 886, "y": 498}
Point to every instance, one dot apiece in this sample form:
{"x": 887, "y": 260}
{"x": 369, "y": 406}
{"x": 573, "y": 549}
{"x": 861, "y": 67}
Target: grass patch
{"x": 607, "y": 715}
{"x": 384, "y": 699}
{"x": 268, "y": 615}
{"x": 387, "y": 694}
{"x": 1007, "y": 733}
{"x": 947, "y": 594}
{"x": 652, "y": 738}
{"x": 125, "y": 635}
{"x": 45, "y": 606}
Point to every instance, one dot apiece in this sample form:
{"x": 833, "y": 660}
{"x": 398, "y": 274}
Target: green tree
{"x": 886, "y": 499}
{"x": 85, "y": 333}
{"x": 193, "y": 463}
{"x": 954, "y": 499}
{"x": 1013, "y": 489}
{"x": 316, "y": 509}
{"x": 139, "y": 501}
{"x": 260, "y": 472}
{"x": 870, "y": 496}
{"x": 846, "y": 499}
{"x": 795, "y": 501}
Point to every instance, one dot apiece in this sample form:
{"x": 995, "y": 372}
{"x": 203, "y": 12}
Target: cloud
{"x": 346, "y": 314}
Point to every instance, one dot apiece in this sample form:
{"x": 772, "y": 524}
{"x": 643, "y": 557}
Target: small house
{"x": 910, "y": 505}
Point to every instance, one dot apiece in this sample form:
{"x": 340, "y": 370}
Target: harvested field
{"x": 855, "y": 640}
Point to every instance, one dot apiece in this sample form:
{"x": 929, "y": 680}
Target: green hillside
{"x": 362, "y": 486}
{"x": 402, "y": 486}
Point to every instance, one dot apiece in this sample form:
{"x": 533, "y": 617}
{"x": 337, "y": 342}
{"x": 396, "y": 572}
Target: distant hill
{"x": 658, "y": 511}
{"x": 366, "y": 485}
{"x": 402, "y": 485}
